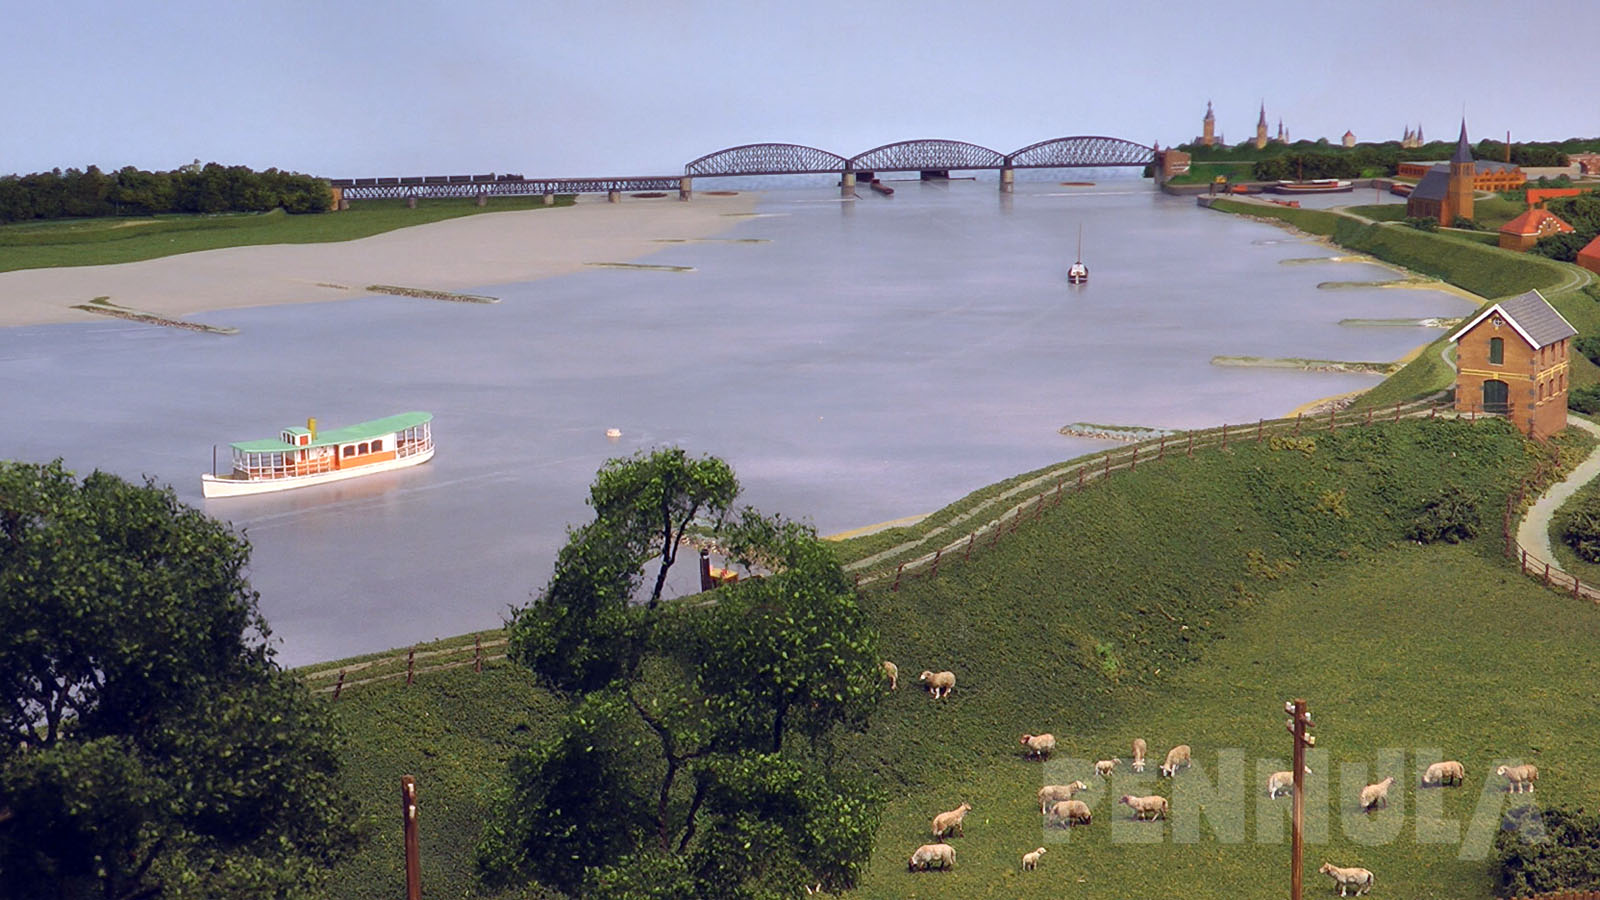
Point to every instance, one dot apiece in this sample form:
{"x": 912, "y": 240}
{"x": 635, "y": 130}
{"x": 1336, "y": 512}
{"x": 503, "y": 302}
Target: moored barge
{"x": 300, "y": 457}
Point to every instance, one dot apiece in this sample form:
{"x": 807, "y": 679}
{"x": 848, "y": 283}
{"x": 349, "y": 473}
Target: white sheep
{"x": 1151, "y": 807}
{"x": 1374, "y": 795}
{"x": 1030, "y": 861}
{"x": 1282, "y": 781}
{"x": 1519, "y": 777}
{"x": 940, "y": 684}
{"x": 1072, "y": 812}
{"x": 892, "y": 672}
{"x": 1353, "y": 877}
{"x": 929, "y": 856}
{"x": 1177, "y": 758}
{"x": 1138, "y": 754}
{"x": 1051, "y": 794}
{"x": 1447, "y": 772}
{"x": 1040, "y": 746}
{"x": 946, "y": 822}
{"x": 1103, "y": 767}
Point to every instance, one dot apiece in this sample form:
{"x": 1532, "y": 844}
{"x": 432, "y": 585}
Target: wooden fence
{"x": 409, "y": 664}
{"x": 1546, "y": 571}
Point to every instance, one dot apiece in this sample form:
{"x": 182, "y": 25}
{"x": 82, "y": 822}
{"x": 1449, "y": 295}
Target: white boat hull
{"x": 212, "y": 486}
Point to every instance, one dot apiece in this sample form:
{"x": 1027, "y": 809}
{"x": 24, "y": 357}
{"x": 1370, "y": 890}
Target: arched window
{"x": 377, "y": 446}
{"x": 350, "y": 450}
{"x": 1497, "y": 351}
{"x": 362, "y": 450}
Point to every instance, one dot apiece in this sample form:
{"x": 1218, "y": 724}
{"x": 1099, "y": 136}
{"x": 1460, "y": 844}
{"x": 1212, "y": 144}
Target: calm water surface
{"x": 861, "y": 362}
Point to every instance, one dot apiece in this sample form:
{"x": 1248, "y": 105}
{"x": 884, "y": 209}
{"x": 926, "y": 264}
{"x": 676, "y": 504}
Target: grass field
{"x": 93, "y": 242}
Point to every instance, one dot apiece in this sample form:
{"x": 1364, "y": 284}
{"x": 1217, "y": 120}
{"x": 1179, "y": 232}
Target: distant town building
{"x": 1587, "y": 163}
{"x": 1349, "y": 139}
{"x": 1511, "y": 360}
{"x": 1261, "y": 127}
{"x": 1589, "y": 256}
{"x": 1525, "y": 230}
{"x": 1445, "y": 192}
{"x": 1537, "y": 196}
{"x": 1283, "y": 136}
{"x": 1412, "y": 139}
{"x": 1489, "y": 175}
{"x": 1208, "y": 128}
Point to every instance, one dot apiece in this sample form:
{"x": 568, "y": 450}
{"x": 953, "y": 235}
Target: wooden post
{"x": 1546, "y": 574}
{"x": 999, "y": 526}
{"x": 1433, "y": 413}
{"x": 1134, "y": 462}
{"x": 411, "y": 662}
{"x": 1190, "y": 451}
{"x": 1038, "y": 509}
{"x": 1524, "y": 565}
{"x": 970, "y": 538}
{"x": 1259, "y": 423}
{"x": 1397, "y": 410}
{"x": 413, "y": 841}
{"x": 1369, "y": 415}
{"x": 477, "y": 654}
{"x": 897, "y": 576}
{"x": 1080, "y": 479}
{"x": 936, "y": 554}
{"x": 1297, "y": 727}
{"x": 1297, "y": 418}
{"x": 339, "y": 688}
{"x": 1575, "y": 583}
{"x": 1330, "y": 419}
{"x": 1161, "y": 452}
{"x": 1108, "y": 468}
{"x": 1058, "y": 492}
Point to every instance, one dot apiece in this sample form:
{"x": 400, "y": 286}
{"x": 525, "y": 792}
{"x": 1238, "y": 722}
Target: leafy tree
{"x": 151, "y": 746}
{"x": 1545, "y": 851}
{"x": 1580, "y": 529}
{"x": 1422, "y": 223}
{"x": 1584, "y": 399}
{"x": 1560, "y": 247}
{"x": 1451, "y": 516}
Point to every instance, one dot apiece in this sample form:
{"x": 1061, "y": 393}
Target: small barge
{"x": 301, "y": 457}
{"x": 1315, "y": 186}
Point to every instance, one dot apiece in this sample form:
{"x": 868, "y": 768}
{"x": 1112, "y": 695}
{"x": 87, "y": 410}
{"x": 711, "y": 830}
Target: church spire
{"x": 1262, "y": 122}
{"x": 1209, "y": 117}
{"x": 1463, "y": 146}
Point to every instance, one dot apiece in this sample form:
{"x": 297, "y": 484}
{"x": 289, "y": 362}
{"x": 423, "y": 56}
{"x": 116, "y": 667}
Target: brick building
{"x": 1445, "y": 193}
{"x": 1589, "y": 256}
{"x": 1537, "y": 196}
{"x": 1587, "y": 163}
{"x": 1525, "y": 230}
{"x": 1511, "y": 360}
{"x": 1487, "y": 175}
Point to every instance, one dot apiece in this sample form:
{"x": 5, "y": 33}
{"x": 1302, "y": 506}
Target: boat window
{"x": 377, "y": 446}
{"x": 350, "y": 450}
{"x": 362, "y": 450}
{"x": 1497, "y": 351}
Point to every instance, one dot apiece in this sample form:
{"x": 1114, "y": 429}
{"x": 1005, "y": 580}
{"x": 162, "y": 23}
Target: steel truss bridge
{"x": 929, "y": 156}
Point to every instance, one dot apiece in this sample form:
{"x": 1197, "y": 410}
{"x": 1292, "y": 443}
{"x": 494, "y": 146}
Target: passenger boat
{"x": 300, "y": 457}
{"x": 1078, "y": 273}
{"x": 1315, "y": 186}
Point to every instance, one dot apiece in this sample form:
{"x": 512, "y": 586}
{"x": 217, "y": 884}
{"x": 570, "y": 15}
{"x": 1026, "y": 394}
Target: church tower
{"x": 1462, "y": 174}
{"x": 1261, "y": 128}
{"x": 1208, "y": 128}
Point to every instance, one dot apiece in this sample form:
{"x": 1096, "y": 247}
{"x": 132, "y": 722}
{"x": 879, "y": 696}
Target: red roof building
{"x": 1589, "y": 256}
{"x": 1511, "y": 360}
{"x": 1537, "y": 196}
{"x": 1525, "y": 230}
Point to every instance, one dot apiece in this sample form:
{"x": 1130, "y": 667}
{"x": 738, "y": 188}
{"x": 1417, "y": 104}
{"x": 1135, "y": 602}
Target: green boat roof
{"x": 328, "y": 437}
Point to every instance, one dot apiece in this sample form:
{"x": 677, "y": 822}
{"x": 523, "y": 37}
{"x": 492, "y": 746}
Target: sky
{"x": 357, "y": 88}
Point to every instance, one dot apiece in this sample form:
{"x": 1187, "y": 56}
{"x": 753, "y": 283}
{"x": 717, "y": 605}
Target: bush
{"x": 1465, "y": 223}
{"x": 1581, "y": 529}
{"x": 1560, "y": 247}
{"x": 1585, "y": 399}
{"x": 1544, "y": 852}
{"x": 1452, "y": 516}
{"x": 1589, "y": 345}
{"x": 1423, "y": 223}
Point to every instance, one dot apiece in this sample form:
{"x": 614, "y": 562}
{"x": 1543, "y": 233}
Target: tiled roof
{"x": 1434, "y": 185}
{"x": 1530, "y": 222}
{"x": 1532, "y": 317}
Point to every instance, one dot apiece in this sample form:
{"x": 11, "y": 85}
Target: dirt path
{"x": 1534, "y": 531}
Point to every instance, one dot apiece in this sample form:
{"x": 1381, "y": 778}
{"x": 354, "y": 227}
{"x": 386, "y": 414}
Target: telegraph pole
{"x": 1298, "y": 724}
{"x": 413, "y": 842}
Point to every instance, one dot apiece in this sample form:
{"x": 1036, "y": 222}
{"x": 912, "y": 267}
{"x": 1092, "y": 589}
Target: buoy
{"x": 613, "y": 433}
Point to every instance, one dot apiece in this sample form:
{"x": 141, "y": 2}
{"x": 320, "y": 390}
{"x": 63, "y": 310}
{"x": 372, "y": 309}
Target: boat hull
{"x": 213, "y": 486}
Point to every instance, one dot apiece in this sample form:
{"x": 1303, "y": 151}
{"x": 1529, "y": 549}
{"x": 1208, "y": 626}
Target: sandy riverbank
{"x": 456, "y": 254}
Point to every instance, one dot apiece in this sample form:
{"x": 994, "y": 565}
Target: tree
{"x": 1560, "y": 247}
{"x": 151, "y": 746}
{"x": 1545, "y": 851}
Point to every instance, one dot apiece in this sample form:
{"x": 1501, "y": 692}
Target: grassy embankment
{"x": 1108, "y": 619}
{"x": 94, "y": 242}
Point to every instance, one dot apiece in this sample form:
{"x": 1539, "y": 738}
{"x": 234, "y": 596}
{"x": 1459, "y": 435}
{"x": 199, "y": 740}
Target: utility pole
{"x": 1298, "y": 724}
{"x": 408, "y": 813}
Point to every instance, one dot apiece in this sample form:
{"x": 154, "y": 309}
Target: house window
{"x": 1497, "y": 351}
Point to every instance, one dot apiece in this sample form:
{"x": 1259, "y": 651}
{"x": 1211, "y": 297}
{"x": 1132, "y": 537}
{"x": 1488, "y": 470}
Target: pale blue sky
{"x": 341, "y": 88}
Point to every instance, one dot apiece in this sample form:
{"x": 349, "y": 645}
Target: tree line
{"x": 212, "y": 188}
{"x": 1329, "y": 160}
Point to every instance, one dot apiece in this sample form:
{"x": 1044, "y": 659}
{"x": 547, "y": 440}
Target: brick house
{"x": 1589, "y": 256}
{"x": 1525, "y": 230}
{"x": 1511, "y": 360}
{"x": 1445, "y": 193}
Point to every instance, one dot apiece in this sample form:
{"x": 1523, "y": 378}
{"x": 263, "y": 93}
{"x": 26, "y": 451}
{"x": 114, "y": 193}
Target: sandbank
{"x": 456, "y": 254}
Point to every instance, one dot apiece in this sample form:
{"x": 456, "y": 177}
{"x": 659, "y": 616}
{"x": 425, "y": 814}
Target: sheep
{"x": 946, "y": 822}
{"x": 1040, "y": 746}
{"x": 892, "y": 672}
{"x": 1282, "y": 781}
{"x": 1519, "y": 777}
{"x": 1052, "y": 794}
{"x": 940, "y": 684}
{"x": 1447, "y": 772}
{"x": 1071, "y": 812}
{"x": 927, "y": 855}
{"x": 1375, "y": 794}
{"x": 1177, "y": 757}
{"x": 1103, "y": 767}
{"x": 1152, "y": 807}
{"x": 1030, "y": 861}
{"x": 1138, "y": 754}
{"x": 1353, "y": 877}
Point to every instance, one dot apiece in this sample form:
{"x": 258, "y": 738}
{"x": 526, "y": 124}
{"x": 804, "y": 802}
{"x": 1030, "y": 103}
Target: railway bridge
{"x": 933, "y": 158}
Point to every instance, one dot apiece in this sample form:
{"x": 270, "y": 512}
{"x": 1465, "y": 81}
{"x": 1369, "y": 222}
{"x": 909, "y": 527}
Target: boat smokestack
{"x": 311, "y": 426}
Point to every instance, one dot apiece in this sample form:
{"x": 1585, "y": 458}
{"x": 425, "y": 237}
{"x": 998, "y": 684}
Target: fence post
{"x": 1108, "y": 468}
{"x": 411, "y": 662}
{"x": 970, "y": 538}
{"x": 1331, "y": 412}
{"x": 999, "y": 525}
{"x": 1224, "y": 435}
{"x": 1546, "y": 574}
{"x": 1015, "y": 521}
{"x": 936, "y": 554}
{"x": 339, "y": 688}
{"x": 1369, "y": 415}
{"x": 1524, "y": 565}
{"x": 1133, "y": 463}
{"x": 1058, "y": 492}
{"x": 1575, "y": 584}
{"x": 1297, "y": 418}
{"x": 1161, "y": 452}
{"x": 897, "y": 576}
{"x": 1258, "y": 430}
{"x": 1080, "y": 479}
{"x": 1397, "y": 410}
{"x": 1038, "y": 509}
{"x": 1433, "y": 413}
{"x": 1190, "y": 451}
{"x": 477, "y": 654}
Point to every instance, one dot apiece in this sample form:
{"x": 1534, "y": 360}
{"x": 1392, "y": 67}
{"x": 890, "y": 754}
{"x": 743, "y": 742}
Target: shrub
{"x": 1585, "y": 399}
{"x": 1464, "y": 222}
{"x": 1423, "y": 223}
{"x": 1581, "y": 529}
{"x": 1546, "y": 851}
{"x": 1451, "y": 516}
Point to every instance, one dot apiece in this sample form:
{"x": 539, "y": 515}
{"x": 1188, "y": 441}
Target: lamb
{"x": 1103, "y": 767}
{"x": 892, "y": 672}
{"x": 1040, "y": 746}
{"x": 1447, "y": 772}
{"x": 1052, "y": 794}
{"x": 1519, "y": 777}
{"x": 1138, "y": 754}
{"x": 1030, "y": 861}
{"x": 1177, "y": 757}
{"x": 1282, "y": 781}
{"x": 940, "y": 684}
{"x": 929, "y": 856}
{"x": 1353, "y": 877}
{"x": 946, "y": 822}
{"x": 1151, "y": 807}
{"x": 1375, "y": 794}
{"x": 1072, "y": 812}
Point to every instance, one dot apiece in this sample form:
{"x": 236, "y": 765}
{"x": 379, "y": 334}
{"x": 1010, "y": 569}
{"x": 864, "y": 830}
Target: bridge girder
{"x": 1081, "y": 151}
{"x": 767, "y": 159}
{"x": 930, "y": 154}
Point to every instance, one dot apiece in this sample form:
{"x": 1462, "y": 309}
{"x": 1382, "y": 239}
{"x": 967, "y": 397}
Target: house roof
{"x": 1591, "y": 249}
{"x": 1530, "y": 315}
{"x": 1531, "y": 221}
{"x": 1435, "y": 185}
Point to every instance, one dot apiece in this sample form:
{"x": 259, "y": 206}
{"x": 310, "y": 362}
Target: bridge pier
{"x": 1008, "y": 180}
{"x": 685, "y": 188}
{"x": 613, "y": 196}
{"x": 483, "y": 199}
{"x": 411, "y": 201}
{"x": 935, "y": 174}
{"x": 847, "y": 184}
{"x": 549, "y": 199}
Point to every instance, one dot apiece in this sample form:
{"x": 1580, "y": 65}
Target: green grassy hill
{"x": 1182, "y": 602}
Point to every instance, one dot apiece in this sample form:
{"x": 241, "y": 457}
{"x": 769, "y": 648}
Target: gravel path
{"x": 1534, "y": 531}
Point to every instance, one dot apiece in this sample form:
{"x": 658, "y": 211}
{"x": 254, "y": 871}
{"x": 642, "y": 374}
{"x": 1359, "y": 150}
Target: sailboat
{"x": 1079, "y": 273}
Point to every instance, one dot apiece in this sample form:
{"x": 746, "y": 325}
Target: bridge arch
{"x": 1080, "y": 151}
{"x": 767, "y": 159}
{"x": 926, "y": 155}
